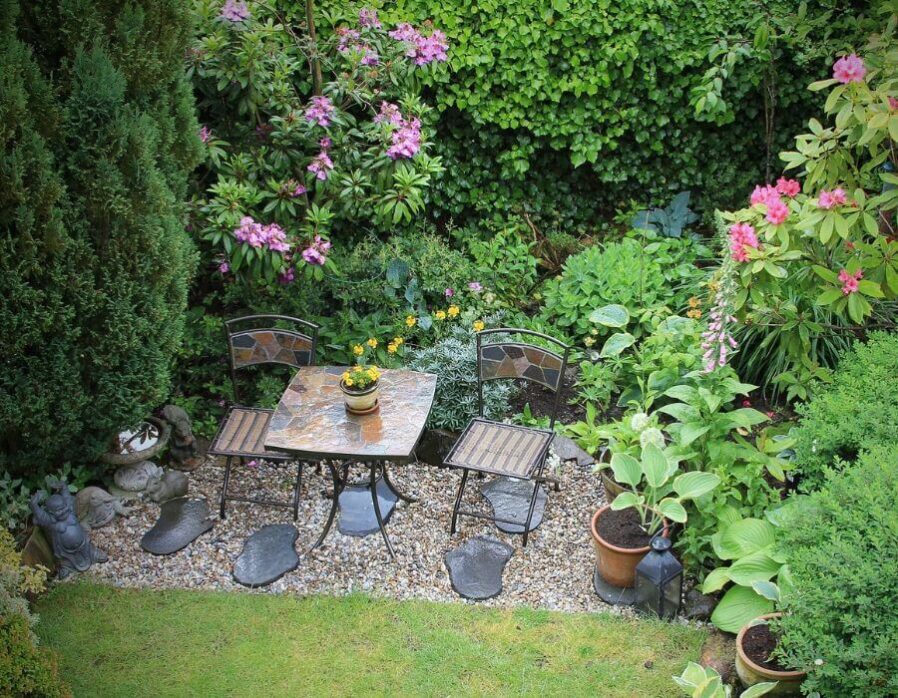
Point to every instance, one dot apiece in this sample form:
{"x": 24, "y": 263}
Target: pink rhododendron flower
{"x": 224, "y": 268}
{"x": 404, "y": 32}
{"x": 850, "y": 281}
{"x": 893, "y": 103}
{"x": 831, "y": 199}
{"x": 849, "y": 69}
{"x": 368, "y": 18}
{"x": 234, "y": 11}
{"x": 347, "y": 38}
{"x": 316, "y": 253}
{"x": 325, "y": 142}
{"x": 321, "y": 166}
{"x": 777, "y": 212}
{"x": 258, "y": 235}
{"x": 320, "y": 111}
{"x": 788, "y": 187}
{"x": 287, "y": 276}
{"x": 205, "y": 134}
{"x": 389, "y": 114}
{"x": 742, "y": 235}
{"x": 746, "y": 402}
{"x": 423, "y": 49}
{"x": 299, "y": 191}
{"x": 406, "y": 140}
{"x": 475, "y": 286}
{"x": 449, "y": 292}
{"x": 764, "y": 195}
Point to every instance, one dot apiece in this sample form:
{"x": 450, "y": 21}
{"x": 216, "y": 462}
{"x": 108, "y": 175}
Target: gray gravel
{"x": 553, "y": 572}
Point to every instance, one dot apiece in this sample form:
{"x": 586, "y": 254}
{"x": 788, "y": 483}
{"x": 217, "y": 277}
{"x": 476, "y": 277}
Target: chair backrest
{"x": 518, "y": 360}
{"x": 269, "y": 339}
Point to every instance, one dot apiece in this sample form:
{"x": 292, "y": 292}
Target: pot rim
{"x": 611, "y": 546}
{"x": 791, "y": 674}
{"x": 351, "y": 391}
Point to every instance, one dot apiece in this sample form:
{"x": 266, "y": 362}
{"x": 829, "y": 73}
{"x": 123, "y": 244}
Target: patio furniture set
{"x": 311, "y": 425}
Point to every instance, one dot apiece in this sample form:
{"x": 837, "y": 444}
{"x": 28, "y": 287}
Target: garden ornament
{"x": 135, "y": 478}
{"x": 183, "y": 445}
{"x": 56, "y": 516}
{"x": 171, "y": 484}
{"x": 95, "y": 507}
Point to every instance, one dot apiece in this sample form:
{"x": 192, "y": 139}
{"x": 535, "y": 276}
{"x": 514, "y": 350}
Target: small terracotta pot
{"x": 612, "y": 488}
{"x": 616, "y": 565}
{"x": 789, "y": 682}
{"x": 360, "y": 401}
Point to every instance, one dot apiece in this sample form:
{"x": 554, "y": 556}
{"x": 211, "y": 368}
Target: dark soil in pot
{"x": 758, "y": 643}
{"x": 622, "y": 528}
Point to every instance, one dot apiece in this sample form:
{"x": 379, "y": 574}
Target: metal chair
{"x": 254, "y": 340}
{"x": 496, "y": 448}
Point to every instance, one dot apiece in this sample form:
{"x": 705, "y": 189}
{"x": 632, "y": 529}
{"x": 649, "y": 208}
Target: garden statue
{"x": 95, "y": 507}
{"x": 182, "y": 446}
{"x": 56, "y": 516}
{"x": 169, "y": 485}
{"x": 134, "y": 478}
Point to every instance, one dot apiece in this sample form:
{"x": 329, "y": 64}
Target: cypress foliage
{"x": 97, "y": 137}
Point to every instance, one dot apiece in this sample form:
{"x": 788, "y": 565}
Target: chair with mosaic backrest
{"x": 495, "y": 448}
{"x": 255, "y": 340}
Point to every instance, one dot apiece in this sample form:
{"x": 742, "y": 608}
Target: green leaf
{"x": 610, "y": 316}
{"x": 746, "y": 417}
{"x": 616, "y": 343}
{"x": 654, "y": 465}
{"x": 739, "y": 606}
{"x": 744, "y": 537}
{"x": 830, "y": 295}
{"x": 769, "y": 590}
{"x": 626, "y": 469}
{"x": 826, "y": 274}
{"x": 757, "y": 567}
{"x": 695, "y": 484}
{"x": 625, "y": 500}
{"x": 691, "y": 431}
{"x": 716, "y": 580}
{"x": 683, "y": 393}
{"x": 672, "y": 510}
{"x": 759, "y": 689}
{"x": 681, "y": 412}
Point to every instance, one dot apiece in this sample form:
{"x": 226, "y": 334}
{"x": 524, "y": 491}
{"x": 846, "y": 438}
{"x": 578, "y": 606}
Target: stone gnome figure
{"x": 56, "y": 516}
{"x": 183, "y": 447}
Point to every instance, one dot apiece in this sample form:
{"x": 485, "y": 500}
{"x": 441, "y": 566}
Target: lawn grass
{"x": 115, "y": 642}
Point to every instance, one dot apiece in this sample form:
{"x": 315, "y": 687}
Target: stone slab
{"x": 267, "y": 555}
{"x": 476, "y": 567}
{"x": 567, "y": 450}
{"x": 511, "y": 500}
{"x": 357, "y": 508}
{"x": 616, "y": 596}
{"x": 180, "y": 522}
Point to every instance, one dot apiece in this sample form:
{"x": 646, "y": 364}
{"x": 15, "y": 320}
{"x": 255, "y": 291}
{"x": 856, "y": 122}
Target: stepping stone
{"x": 511, "y": 500}
{"x": 568, "y": 450}
{"x": 476, "y": 567}
{"x": 267, "y": 555}
{"x": 616, "y": 596}
{"x": 181, "y": 522}
{"x": 357, "y": 509}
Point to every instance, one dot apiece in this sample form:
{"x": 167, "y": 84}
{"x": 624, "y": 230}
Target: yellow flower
{"x": 357, "y": 350}
{"x": 372, "y": 343}
{"x": 695, "y": 313}
{"x": 410, "y": 321}
{"x": 453, "y": 310}
{"x": 694, "y": 302}
{"x": 348, "y": 382}
{"x": 345, "y": 375}
{"x": 391, "y": 347}
{"x": 478, "y": 325}
{"x": 589, "y": 341}
{"x": 440, "y": 315}
{"x": 398, "y": 341}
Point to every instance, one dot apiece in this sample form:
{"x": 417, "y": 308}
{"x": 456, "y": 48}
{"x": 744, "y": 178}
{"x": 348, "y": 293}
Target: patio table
{"x": 312, "y": 423}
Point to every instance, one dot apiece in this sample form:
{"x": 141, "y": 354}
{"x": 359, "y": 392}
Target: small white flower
{"x": 653, "y": 436}
{"x": 818, "y": 662}
{"x": 639, "y": 421}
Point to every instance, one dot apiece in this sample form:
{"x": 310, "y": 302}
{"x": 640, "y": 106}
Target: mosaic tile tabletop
{"x": 312, "y": 422}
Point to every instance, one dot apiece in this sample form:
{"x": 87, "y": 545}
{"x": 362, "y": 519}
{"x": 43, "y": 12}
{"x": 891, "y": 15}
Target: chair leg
{"x": 530, "y": 512}
{"x": 296, "y": 491}
{"x": 461, "y": 491}
{"x": 224, "y": 489}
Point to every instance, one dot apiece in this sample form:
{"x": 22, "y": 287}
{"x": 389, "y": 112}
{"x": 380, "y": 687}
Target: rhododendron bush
{"x": 292, "y": 166}
{"x": 827, "y": 227}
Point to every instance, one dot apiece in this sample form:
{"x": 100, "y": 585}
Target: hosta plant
{"x": 705, "y": 682}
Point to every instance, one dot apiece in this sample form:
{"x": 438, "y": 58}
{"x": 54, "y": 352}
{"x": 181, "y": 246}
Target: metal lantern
{"x": 659, "y": 581}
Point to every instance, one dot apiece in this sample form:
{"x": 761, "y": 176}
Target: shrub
{"x": 454, "y": 361}
{"x": 638, "y": 273}
{"x": 94, "y": 260}
{"x": 855, "y": 412}
{"x": 841, "y": 620}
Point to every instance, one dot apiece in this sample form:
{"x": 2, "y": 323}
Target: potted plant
{"x": 754, "y": 663}
{"x": 359, "y": 386}
{"x": 622, "y": 530}
{"x": 705, "y": 682}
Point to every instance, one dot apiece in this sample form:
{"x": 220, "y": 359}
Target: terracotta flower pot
{"x": 360, "y": 401}
{"x": 612, "y": 488}
{"x": 789, "y": 682}
{"x": 616, "y": 565}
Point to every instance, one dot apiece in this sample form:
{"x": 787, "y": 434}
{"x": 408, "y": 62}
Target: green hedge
{"x": 97, "y": 139}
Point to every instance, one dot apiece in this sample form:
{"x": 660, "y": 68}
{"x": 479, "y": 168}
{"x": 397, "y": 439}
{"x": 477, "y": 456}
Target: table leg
{"x": 338, "y": 484}
{"x": 380, "y": 521}
{"x": 399, "y": 493}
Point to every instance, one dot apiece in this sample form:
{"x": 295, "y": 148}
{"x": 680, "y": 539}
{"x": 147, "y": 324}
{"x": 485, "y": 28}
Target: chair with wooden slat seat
{"x": 254, "y": 340}
{"x": 496, "y": 448}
